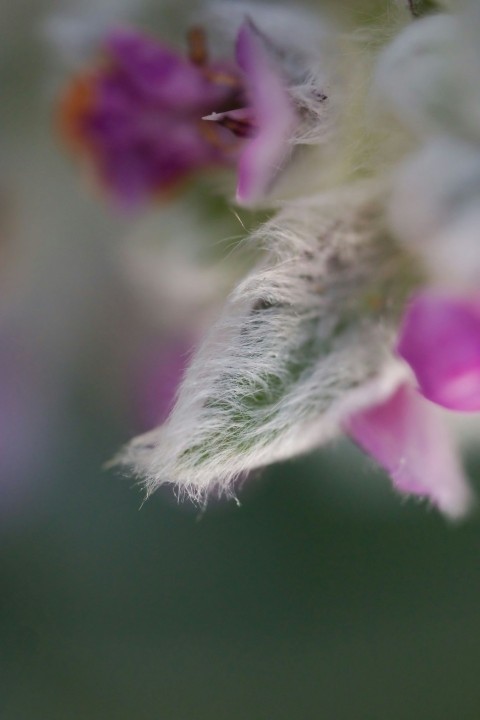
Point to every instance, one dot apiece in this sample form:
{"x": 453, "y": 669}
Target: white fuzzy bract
{"x": 304, "y": 341}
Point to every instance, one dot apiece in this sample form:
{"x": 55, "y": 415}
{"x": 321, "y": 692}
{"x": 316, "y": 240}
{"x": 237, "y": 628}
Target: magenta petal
{"x": 407, "y": 437}
{"x": 440, "y": 340}
{"x": 275, "y": 118}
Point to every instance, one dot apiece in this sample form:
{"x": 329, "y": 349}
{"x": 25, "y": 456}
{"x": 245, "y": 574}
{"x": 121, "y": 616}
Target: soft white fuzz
{"x": 429, "y": 74}
{"x": 435, "y": 209}
{"x": 418, "y": 73}
{"x": 304, "y": 341}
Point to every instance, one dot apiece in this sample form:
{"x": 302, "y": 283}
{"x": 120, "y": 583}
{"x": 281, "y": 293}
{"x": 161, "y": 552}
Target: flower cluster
{"x": 144, "y": 117}
{"x": 135, "y": 116}
{"x": 363, "y": 315}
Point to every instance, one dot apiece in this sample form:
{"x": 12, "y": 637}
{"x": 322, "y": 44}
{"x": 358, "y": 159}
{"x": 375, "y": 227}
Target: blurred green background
{"x": 322, "y": 596}
{"x": 292, "y": 606}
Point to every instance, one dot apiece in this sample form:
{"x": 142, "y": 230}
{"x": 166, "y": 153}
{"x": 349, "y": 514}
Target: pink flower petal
{"x": 275, "y": 118}
{"x": 440, "y": 340}
{"x": 407, "y": 437}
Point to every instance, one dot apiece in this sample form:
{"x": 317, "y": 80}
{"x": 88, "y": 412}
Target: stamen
{"x": 198, "y": 55}
{"x": 74, "y": 104}
{"x": 240, "y": 127}
{"x": 197, "y": 46}
{"x": 220, "y": 77}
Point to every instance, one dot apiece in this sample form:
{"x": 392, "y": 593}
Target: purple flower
{"x": 440, "y": 340}
{"x": 136, "y": 116}
{"x": 139, "y": 116}
{"x": 406, "y": 435}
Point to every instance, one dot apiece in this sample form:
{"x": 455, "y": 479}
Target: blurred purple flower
{"x": 136, "y": 116}
{"x": 139, "y": 116}
{"x": 440, "y": 340}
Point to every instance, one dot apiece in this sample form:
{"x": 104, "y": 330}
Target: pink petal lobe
{"x": 440, "y": 340}
{"x": 275, "y": 118}
{"x": 406, "y": 435}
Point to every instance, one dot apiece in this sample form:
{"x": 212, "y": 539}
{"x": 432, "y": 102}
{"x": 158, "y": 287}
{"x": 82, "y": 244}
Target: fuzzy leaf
{"x": 304, "y": 341}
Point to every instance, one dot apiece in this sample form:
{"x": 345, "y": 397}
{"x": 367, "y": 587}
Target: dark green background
{"x": 309, "y": 601}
